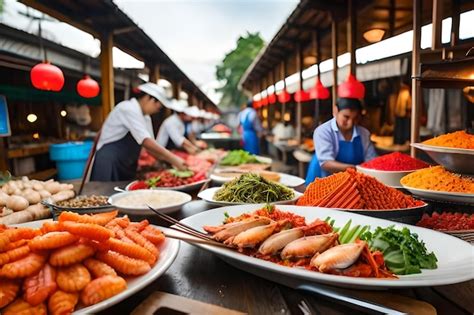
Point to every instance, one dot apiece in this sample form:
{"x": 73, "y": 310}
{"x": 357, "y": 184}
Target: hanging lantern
{"x": 319, "y": 91}
{"x": 301, "y": 96}
{"x": 264, "y": 101}
{"x": 352, "y": 88}
{"x": 272, "y": 98}
{"x": 88, "y": 87}
{"x": 256, "y": 104}
{"x": 284, "y": 96}
{"x": 45, "y": 76}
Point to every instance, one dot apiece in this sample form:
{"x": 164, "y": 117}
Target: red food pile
{"x": 395, "y": 161}
{"x": 353, "y": 190}
{"x": 447, "y": 221}
{"x": 166, "y": 179}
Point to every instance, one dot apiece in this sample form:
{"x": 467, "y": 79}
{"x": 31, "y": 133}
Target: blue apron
{"x": 250, "y": 138}
{"x": 350, "y": 152}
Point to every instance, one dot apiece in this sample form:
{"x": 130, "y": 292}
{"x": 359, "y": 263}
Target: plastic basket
{"x": 70, "y": 158}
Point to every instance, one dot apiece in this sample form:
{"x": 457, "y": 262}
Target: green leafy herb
{"x": 403, "y": 253}
{"x": 238, "y": 157}
{"x": 270, "y": 208}
{"x": 226, "y": 215}
{"x": 181, "y": 174}
{"x": 151, "y": 182}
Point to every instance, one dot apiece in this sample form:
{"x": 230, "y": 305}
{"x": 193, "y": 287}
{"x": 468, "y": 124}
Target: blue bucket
{"x": 71, "y": 158}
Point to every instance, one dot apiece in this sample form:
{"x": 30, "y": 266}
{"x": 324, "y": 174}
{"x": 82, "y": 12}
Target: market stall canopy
{"x": 100, "y": 18}
{"x": 395, "y": 17}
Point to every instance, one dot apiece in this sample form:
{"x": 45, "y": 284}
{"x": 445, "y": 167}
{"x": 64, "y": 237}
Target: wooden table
{"x": 200, "y": 275}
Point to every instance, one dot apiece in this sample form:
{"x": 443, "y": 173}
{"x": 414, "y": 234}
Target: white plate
{"x": 187, "y": 187}
{"x": 389, "y": 178}
{"x": 455, "y": 257}
{"x": 208, "y": 195}
{"x": 168, "y": 252}
{"x": 285, "y": 179}
{"x": 181, "y": 199}
{"x": 441, "y": 195}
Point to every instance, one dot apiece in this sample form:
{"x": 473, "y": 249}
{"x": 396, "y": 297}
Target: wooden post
{"x": 317, "y": 53}
{"x": 154, "y": 73}
{"x": 415, "y": 74}
{"x": 299, "y": 69}
{"x": 455, "y": 23}
{"x": 176, "y": 89}
{"x": 283, "y": 105}
{"x": 107, "y": 74}
{"x": 437, "y": 24}
{"x": 3, "y": 155}
{"x": 351, "y": 32}
{"x": 334, "y": 62}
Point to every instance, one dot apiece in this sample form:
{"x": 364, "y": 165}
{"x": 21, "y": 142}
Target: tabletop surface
{"x": 199, "y": 275}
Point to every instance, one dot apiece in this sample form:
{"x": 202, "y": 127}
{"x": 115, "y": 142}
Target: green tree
{"x": 233, "y": 66}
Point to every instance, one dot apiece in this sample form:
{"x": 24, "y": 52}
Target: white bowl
{"x": 389, "y": 178}
{"x": 175, "y": 200}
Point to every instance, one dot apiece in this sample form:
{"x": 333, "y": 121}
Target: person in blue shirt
{"x": 340, "y": 143}
{"x": 251, "y": 128}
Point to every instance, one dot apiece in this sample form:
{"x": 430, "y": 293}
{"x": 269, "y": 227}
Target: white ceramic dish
{"x": 168, "y": 252}
{"x": 181, "y": 198}
{"x": 208, "y": 195}
{"x": 285, "y": 179}
{"x": 187, "y": 187}
{"x": 455, "y": 257}
{"x": 442, "y": 195}
{"x": 389, "y": 178}
{"x": 453, "y": 159}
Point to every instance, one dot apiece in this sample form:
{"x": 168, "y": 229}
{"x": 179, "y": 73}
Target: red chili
{"x": 395, "y": 161}
{"x": 447, "y": 221}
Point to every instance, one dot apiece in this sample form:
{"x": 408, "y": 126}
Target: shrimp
{"x": 142, "y": 241}
{"x": 308, "y": 246}
{"x": 62, "y": 303}
{"x": 24, "y": 267}
{"x": 39, "y": 287}
{"x": 338, "y": 257}
{"x": 102, "y": 288}
{"x": 279, "y": 240}
{"x": 73, "y": 278}
{"x": 124, "y": 264}
{"x": 8, "y": 291}
{"x": 87, "y": 230}
{"x": 21, "y": 307}
{"x": 254, "y": 236}
{"x": 153, "y": 235}
{"x": 131, "y": 250}
{"x": 230, "y": 230}
{"x": 52, "y": 240}
{"x": 14, "y": 254}
{"x": 100, "y": 219}
{"x": 98, "y": 268}
{"x": 70, "y": 255}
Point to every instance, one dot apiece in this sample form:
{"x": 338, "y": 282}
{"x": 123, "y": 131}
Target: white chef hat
{"x": 155, "y": 91}
{"x": 192, "y": 111}
{"x": 179, "y": 105}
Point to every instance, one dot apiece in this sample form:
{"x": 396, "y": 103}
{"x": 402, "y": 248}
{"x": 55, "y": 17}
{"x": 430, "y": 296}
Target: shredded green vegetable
{"x": 253, "y": 188}
{"x": 238, "y": 157}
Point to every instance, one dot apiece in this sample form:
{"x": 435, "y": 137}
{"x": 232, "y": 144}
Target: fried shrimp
{"x": 73, "y": 278}
{"x": 70, "y": 255}
{"x": 61, "y": 303}
{"x": 52, "y": 240}
{"x": 39, "y": 287}
{"x": 21, "y": 307}
{"x": 100, "y": 219}
{"x": 24, "y": 267}
{"x": 131, "y": 250}
{"x": 14, "y": 254}
{"x": 102, "y": 288}
{"x": 88, "y": 230}
{"x": 98, "y": 268}
{"x": 142, "y": 241}
{"x": 124, "y": 264}
{"x": 8, "y": 291}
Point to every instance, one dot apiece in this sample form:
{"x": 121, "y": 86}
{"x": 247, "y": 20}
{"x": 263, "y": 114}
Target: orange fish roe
{"x": 438, "y": 178}
{"x": 353, "y": 190}
{"x": 459, "y": 139}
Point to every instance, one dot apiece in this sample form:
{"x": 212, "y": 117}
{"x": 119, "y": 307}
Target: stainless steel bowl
{"x": 459, "y": 161}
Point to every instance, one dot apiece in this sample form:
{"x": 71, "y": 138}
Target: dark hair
{"x": 142, "y": 94}
{"x": 349, "y": 103}
{"x": 249, "y": 103}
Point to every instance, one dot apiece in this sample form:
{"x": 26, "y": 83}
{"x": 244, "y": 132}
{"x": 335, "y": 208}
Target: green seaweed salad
{"x": 253, "y": 188}
{"x": 238, "y": 157}
{"x": 403, "y": 252}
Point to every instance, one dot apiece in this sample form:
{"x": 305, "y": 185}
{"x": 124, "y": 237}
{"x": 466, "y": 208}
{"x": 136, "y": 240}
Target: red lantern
{"x": 319, "y": 91}
{"x": 45, "y": 76}
{"x": 284, "y": 96}
{"x": 272, "y": 98}
{"x": 256, "y": 104}
{"x": 301, "y": 96}
{"x": 352, "y": 88}
{"x": 264, "y": 101}
{"x": 88, "y": 87}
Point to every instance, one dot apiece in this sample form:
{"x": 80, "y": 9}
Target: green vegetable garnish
{"x": 269, "y": 207}
{"x": 181, "y": 174}
{"x": 151, "y": 182}
{"x": 403, "y": 253}
{"x": 238, "y": 157}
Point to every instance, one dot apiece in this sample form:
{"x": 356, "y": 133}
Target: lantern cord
{"x": 42, "y": 49}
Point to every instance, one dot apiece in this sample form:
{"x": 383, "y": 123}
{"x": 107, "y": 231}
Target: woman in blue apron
{"x": 251, "y": 127}
{"x": 340, "y": 143}
{"x": 126, "y": 130}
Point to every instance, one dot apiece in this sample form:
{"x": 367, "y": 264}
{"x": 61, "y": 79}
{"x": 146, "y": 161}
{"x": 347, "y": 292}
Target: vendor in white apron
{"x": 340, "y": 143}
{"x": 126, "y": 130}
{"x": 172, "y": 133}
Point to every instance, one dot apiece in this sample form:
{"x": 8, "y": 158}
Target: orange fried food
{"x": 62, "y": 303}
{"x": 14, "y": 254}
{"x": 52, "y": 240}
{"x": 8, "y": 291}
{"x": 122, "y": 222}
{"x": 13, "y": 235}
{"x": 131, "y": 250}
{"x": 139, "y": 226}
{"x": 50, "y": 226}
{"x": 100, "y": 219}
{"x": 27, "y": 266}
{"x": 88, "y": 230}
{"x": 73, "y": 278}
{"x": 21, "y": 307}
{"x": 153, "y": 235}
{"x": 39, "y": 287}
{"x": 102, "y": 288}
{"x": 124, "y": 264}
{"x": 13, "y": 245}
{"x": 142, "y": 241}
{"x": 98, "y": 268}
{"x": 70, "y": 254}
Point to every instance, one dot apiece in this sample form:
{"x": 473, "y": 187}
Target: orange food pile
{"x": 78, "y": 261}
{"x": 439, "y": 179}
{"x": 459, "y": 139}
{"x": 353, "y": 190}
